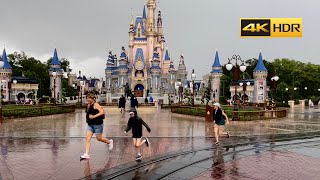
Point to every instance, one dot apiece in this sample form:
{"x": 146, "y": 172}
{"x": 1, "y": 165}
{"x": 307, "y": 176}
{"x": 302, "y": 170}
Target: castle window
{"x": 139, "y": 32}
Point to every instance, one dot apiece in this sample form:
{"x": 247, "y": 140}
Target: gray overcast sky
{"x": 83, "y": 31}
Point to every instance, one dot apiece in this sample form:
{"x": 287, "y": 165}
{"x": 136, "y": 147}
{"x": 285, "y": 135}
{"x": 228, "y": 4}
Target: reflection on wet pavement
{"x": 49, "y": 147}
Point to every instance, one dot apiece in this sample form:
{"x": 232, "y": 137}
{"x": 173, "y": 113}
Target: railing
{"x": 31, "y": 111}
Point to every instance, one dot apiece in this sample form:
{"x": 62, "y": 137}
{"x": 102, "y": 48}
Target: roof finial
{"x": 4, "y": 45}
{"x": 260, "y": 50}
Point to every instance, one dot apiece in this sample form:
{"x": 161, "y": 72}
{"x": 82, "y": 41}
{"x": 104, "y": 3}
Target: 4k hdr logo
{"x": 271, "y": 27}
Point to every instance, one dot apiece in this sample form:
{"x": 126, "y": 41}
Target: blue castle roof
{"x": 155, "y": 53}
{"x": 144, "y": 14}
{"x": 216, "y": 66}
{"x": 260, "y": 65}
{"x": 216, "y": 62}
{"x": 167, "y": 57}
{"x": 123, "y": 53}
{"x": 139, "y": 20}
{"x": 55, "y": 59}
{"x": 6, "y": 64}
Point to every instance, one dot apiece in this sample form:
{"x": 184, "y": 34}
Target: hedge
{"x": 36, "y": 111}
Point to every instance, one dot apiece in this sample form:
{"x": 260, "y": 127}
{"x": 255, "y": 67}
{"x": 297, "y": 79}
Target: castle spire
{"x": 216, "y": 66}
{"x": 260, "y": 65}
{"x": 6, "y": 64}
{"x": 144, "y": 14}
{"x": 167, "y": 57}
{"x": 55, "y": 59}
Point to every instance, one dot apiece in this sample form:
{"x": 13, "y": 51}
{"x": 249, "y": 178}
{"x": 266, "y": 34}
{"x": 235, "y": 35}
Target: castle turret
{"x": 260, "y": 74}
{"x": 172, "y": 76}
{"x": 155, "y": 72}
{"x": 216, "y": 74}
{"x": 144, "y": 16}
{"x": 182, "y": 71}
{"x": 151, "y": 31}
{"x": 56, "y": 74}
{"x": 5, "y": 76}
{"x": 109, "y": 69}
{"x": 123, "y": 69}
{"x": 166, "y": 62}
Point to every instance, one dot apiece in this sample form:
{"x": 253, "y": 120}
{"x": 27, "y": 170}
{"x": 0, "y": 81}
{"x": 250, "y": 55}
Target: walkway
{"x": 49, "y": 147}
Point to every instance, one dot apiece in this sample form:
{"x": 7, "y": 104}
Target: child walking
{"x": 135, "y": 123}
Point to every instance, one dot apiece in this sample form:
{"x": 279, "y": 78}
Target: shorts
{"x": 97, "y": 129}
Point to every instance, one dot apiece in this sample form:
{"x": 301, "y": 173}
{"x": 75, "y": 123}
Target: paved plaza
{"x": 181, "y": 148}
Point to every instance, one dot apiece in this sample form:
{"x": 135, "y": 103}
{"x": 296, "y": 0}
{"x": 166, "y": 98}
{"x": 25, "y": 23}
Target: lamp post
{"x": 81, "y": 89}
{"x": 54, "y": 75}
{"x": 274, "y": 81}
{"x": 244, "y": 85}
{"x": 15, "y": 95}
{"x": 235, "y": 76}
{"x": 193, "y": 78}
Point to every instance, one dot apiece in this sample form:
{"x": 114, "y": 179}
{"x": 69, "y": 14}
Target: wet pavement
{"x": 49, "y": 147}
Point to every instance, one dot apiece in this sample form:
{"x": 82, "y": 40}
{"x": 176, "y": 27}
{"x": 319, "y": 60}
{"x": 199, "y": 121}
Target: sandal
{"x": 217, "y": 143}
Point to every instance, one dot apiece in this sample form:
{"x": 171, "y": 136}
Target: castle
{"x": 146, "y": 68}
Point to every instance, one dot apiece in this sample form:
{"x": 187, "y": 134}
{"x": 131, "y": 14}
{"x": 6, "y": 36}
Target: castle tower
{"x": 172, "y": 77}
{"x": 216, "y": 74}
{"x": 55, "y": 82}
{"x": 182, "y": 71}
{"x": 123, "y": 70}
{"x": 5, "y": 77}
{"x": 161, "y": 41}
{"x": 151, "y": 31}
{"x": 155, "y": 74}
{"x": 260, "y": 74}
{"x": 110, "y": 66}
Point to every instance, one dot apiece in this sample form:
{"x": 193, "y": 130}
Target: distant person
{"x": 219, "y": 119}
{"x": 135, "y": 123}
{"x": 134, "y": 102}
{"x": 146, "y": 100}
{"x": 94, "y": 115}
{"x": 151, "y": 99}
{"x": 122, "y": 103}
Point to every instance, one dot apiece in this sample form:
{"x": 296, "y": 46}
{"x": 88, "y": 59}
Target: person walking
{"x": 220, "y": 119}
{"x": 135, "y": 123}
{"x": 94, "y": 115}
{"x": 122, "y": 103}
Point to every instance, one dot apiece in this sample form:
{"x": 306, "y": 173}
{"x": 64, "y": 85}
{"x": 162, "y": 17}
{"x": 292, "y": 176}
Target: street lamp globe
{"x": 241, "y": 84}
{"x": 248, "y": 83}
{"x": 295, "y": 88}
{"x": 73, "y": 85}
{"x": 15, "y": 81}
{"x": 305, "y": 88}
{"x": 287, "y": 89}
{"x": 243, "y": 67}
{"x": 318, "y": 89}
{"x": 229, "y": 66}
{"x": 276, "y": 78}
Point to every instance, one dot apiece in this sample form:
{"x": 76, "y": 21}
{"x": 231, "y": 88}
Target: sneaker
{"x": 110, "y": 144}
{"x": 85, "y": 156}
{"x": 138, "y": 157}
{"x": 147, "y": 142}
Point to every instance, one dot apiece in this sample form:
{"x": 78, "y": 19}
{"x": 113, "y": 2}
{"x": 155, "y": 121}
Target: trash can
{"x": 209, "y": 111}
